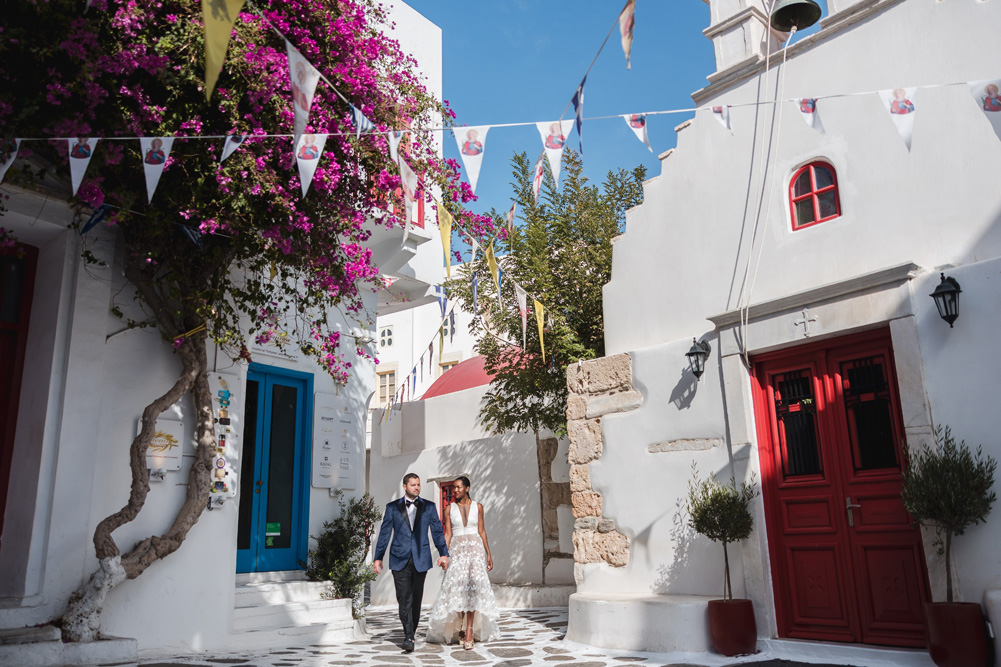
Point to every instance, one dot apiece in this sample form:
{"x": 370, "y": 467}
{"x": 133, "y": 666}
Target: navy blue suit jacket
{"x": 407, "y": 543}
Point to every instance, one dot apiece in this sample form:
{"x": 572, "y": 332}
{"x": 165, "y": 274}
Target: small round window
{"x": 386, "y": 337}
{"x": 813, "y": 195}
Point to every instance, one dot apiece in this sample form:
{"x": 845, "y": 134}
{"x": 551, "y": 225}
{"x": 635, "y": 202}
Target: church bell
{"x": 800, "y": 14}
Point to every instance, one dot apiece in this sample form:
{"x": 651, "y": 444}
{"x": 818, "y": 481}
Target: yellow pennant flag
{"x": 539, "y": 319}
{"x": 445, "y": 227}
{"x": 492, "y": 263}
{"x": 219, "y": 17}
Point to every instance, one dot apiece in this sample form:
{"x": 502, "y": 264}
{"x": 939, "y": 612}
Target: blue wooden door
{"x": 274, "y": 482}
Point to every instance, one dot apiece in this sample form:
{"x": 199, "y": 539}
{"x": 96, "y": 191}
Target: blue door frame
{"x": 275, "y": 470}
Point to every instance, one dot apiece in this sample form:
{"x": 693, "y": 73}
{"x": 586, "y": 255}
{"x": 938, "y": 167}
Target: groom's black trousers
{"x": 409, "y": 593}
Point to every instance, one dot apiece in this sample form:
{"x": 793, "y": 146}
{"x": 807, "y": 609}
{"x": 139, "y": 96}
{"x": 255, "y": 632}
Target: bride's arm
{"x": 446, "y": 522}
{"x": 483, "y": 536}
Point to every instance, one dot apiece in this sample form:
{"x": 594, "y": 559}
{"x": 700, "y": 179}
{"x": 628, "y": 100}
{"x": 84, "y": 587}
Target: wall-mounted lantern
{"x": 697, "y": 357}
{"x": 946, "y": 297}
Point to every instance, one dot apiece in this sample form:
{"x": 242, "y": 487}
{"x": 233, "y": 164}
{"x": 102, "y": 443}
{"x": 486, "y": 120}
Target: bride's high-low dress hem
{"x": 465, "y": 587}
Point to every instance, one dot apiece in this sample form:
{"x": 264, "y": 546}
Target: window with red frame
{"x": 813, "y": 195}
{"x": 446, "y": 496}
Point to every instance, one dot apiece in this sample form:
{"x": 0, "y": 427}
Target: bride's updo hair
{"x": 464, "y": 480}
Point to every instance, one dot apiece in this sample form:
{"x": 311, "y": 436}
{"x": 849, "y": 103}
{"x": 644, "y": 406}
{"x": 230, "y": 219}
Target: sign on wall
{"x": 337, "y": 439}
{"x": 165, "y": 450}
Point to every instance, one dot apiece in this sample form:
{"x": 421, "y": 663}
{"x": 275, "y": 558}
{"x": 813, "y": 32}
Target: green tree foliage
{"x": 949, "y": 488}
{"x": 339, "y": 557}
{"x": 560, "y": 253}
{"x": 720, "y": 512}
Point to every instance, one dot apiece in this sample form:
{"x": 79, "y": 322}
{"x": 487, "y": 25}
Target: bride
{"x": 465, "y": 607}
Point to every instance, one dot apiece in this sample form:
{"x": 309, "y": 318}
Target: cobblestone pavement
{"x": 529, "y": 638}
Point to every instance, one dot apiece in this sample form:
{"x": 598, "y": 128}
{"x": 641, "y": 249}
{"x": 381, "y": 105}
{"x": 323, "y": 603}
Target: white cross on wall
{"x": 805, "y": 322}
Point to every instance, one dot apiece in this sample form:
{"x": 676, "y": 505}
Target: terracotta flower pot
{"x": 732, "y": 626}
{"x": 956, "y": 636}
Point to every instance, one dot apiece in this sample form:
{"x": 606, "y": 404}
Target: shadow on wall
{"x": 684, "y": 392}
{"x": 503, "y": 471}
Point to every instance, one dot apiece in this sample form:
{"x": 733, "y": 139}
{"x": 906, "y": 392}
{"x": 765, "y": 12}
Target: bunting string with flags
{"x": 554, "y": 137}
{"x": 637, "y": 123}
{"x": 303, "y": 78}
{"x": 307, "y": 155}
{"x": 81, "y": 151}
{"x": 900, "y": 105}
{"x": 218, "y": 17}
{"x": 578, "y": 105}
{"x": 233, "y": 142}
{"x": 472, "y": 142}
{"x": 155, "y": 151}
{"x": 985, "y": 93}
{"x": 808, "y": 110}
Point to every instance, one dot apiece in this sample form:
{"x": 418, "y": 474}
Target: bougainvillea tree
{"x": 226, "y": 252}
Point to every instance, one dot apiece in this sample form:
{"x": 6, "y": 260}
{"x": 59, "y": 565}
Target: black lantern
{"x": 697, "y": 357}
{"x": 946, "y": 297}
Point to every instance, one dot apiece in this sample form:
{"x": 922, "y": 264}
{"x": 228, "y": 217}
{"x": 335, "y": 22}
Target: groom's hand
{"x": 377, "y": 564}
{"x": 443, "y": 562}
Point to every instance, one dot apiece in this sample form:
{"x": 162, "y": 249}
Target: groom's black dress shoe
{"x": 408, "y": 645}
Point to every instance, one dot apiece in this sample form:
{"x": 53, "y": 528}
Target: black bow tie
{"x": 411, "y": 502}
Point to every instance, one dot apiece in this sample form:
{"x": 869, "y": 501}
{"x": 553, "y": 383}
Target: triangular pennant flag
{"x": 451, "y": 325}
{"x": 362, "y": 124}
{"x": 539, "y": 319}
{"x": 155, "y": 152}
{"x": 441, "y": 342}
{"x": 8, "y": 153}
{"x": 537, "y": 177}
{"x": 554, "y": 136}
{"x": 627, "y": 20}
{"x": 637, "y": 123}
{"x": 233, "y": 142}
{"x": 445, "y": 228}
{"x": 475, "y": 248}
{"x": 510, "y": 218}
{"x": 307, "y": 155}
{"x": 394, "y": 138}
{"x": 194, "y": 235}
{"x": 808, "y": 110}
{"x": 409, "y": 183}
{"x": 899, "y": 104}
{"x": 986, "y": 93}
{"x": 303, "y": 77}
{"x": 422, "y": 368}
{"x": 430, "y": 358}
{"x": 492, "y": 263}
{"x": 475, "y": 290}
{"x": 219, "y": 17}
{"x": 471, "y": 141}
{"x": 96, "y": 217}
{"x": 442, "y": 300}
{"x": 81, "y": 150}
{"x": 523, "y": 311}
{"x": 722, "y": 114}
{"x": 413, "y": 375}
{"x": 578, "y": 106}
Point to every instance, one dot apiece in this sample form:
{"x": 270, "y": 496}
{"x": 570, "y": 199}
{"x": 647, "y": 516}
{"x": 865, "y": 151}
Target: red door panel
{"x": 847, "y": 564}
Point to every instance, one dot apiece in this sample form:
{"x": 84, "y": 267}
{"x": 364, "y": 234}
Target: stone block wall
{"x": 596, "y": 388}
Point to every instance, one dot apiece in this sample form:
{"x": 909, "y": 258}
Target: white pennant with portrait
{"x": 988, "y": 97}
{"x": 303, "y": 77}
{"x": 554, "y": 137}
{"x": 81, "y": 150}
{"x": 899, "y": 103}
{"x": 637, "y": 123}
{"x": 472, "y": 142}
{"x": 809, "y": 113}
{"x": 307, "y": 156}
{"x": 155, "y": 151}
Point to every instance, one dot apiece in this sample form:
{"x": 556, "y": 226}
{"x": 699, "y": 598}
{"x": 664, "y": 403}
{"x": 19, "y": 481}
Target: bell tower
{"x": 740, "y": 30}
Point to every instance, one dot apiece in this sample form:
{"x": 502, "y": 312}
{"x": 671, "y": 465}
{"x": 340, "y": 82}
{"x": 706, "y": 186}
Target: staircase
{"x": 279, "y": 608}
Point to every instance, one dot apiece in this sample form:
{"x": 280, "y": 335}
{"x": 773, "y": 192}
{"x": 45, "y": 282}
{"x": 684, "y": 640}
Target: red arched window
{"x": 813, "y": 195}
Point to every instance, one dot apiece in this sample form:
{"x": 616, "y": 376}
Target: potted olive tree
{"x": 720, "y": 512}
{"x": 949, "y": 488}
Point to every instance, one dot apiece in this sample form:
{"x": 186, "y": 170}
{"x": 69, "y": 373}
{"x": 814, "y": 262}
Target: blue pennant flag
{"x": 578, "y": 105}
{"x": 451, "y": 326}
{"x": 441, "y": 299}
{"x": 194, "y": 235}
{"x": 474, "y": 292}
{"x": 413, "y": 374}
{"x": 96, "y": 217}
{"x": 362, "y": 124}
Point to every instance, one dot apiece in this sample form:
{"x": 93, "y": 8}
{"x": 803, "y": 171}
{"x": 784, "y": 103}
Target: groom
{"x": 409, "y": 556}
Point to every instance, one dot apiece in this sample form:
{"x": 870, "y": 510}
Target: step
{"x": 304, "y": 635}
{"x": 291, "y": 614}
{"x": 260, "y": 594}
{"x": 269, "y": 577}
{"x": 40, "y": 633}
{"x": 111, "y": 650}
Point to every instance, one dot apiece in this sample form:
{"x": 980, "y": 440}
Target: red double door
{"x": 847, "y": 565}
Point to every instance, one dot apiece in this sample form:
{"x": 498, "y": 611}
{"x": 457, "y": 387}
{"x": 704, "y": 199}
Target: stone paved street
{"x": 530, "y": 637}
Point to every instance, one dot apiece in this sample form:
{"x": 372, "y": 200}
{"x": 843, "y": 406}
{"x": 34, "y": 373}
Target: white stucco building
{"x": 84, "y": 383}
{"x": 828, "y": 358}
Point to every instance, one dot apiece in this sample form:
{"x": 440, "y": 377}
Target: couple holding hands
{"x": 465, "y": 608}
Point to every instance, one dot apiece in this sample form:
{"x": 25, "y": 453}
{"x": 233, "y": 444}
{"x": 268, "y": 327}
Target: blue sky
{"x": 509, "y": 61}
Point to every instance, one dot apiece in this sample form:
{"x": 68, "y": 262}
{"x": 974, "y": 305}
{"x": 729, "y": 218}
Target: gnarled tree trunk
{"x": 82, "y": 620}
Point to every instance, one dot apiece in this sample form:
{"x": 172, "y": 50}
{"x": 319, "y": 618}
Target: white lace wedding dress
{"x": 465, "y": 586}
